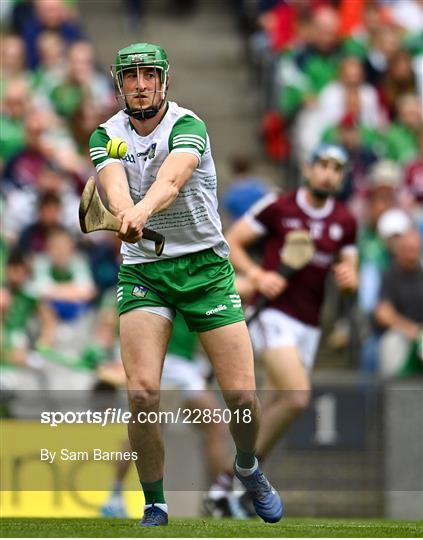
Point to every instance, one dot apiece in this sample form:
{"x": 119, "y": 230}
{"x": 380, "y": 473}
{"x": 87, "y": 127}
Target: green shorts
{"x": 200, "y": 286}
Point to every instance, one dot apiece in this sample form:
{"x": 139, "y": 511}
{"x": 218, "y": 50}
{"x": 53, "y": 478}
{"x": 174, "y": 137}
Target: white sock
{"x": 246, "y": 472}
{"x": 162, "y": 506}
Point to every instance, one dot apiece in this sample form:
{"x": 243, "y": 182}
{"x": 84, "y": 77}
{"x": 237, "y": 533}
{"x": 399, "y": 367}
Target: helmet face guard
{"x": 137, "y": 57}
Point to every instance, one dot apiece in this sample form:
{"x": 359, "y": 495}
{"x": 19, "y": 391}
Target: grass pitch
{"x": 203, "y": 528}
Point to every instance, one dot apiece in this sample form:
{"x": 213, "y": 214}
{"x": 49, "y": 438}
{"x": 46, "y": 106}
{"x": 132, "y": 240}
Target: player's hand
{"x": 133, "y": 222}
{"x": 268, "y": 283}
{"x": 346, "y": 276}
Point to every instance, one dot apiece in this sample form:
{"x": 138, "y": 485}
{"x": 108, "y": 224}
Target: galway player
{"x": 167, "y": 181}
{"x": 286, "y": 333}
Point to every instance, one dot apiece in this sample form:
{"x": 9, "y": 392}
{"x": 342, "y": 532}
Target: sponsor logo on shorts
{"x": 139, "y": 291}
{"x": 220, "y": 307}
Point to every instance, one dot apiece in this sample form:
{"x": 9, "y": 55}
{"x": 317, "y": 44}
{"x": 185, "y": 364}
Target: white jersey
{"x": 191, "y": 223}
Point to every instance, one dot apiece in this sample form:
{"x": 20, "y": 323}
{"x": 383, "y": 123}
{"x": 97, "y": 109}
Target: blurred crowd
{"x": 346, "y": 72}
{"x": 54, "y": 281}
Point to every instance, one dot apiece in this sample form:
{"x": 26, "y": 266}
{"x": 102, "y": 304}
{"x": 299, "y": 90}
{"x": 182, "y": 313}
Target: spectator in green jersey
{"x": 307, "y": 69}
{"x": 402, "y": 137}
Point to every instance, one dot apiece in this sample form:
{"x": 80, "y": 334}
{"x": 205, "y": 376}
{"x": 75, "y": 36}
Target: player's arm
{"x": 175, "y": 171}
{"x": 346, "y": 271}
{"x": 115, "y": 184}
{"x": 172, "y": 176}
{"x": 111, "y": 172}
{"x": 112, "y": 177}
{"x": 241, "y": 235}
{"x": 187, "y": 143}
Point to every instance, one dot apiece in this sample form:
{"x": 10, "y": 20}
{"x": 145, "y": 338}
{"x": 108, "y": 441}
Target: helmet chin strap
{"x": 144, "y": 114}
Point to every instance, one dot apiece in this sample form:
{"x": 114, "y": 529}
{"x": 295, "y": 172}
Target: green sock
{"x": 246, "y": 460}
{"x": 153, "y": 492}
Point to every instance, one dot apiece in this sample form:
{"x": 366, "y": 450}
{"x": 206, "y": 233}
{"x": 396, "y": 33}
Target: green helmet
{"x": 143, "y": 55}
{"x": 140, "y": 55}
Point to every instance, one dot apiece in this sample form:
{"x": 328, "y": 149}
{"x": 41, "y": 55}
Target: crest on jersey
{"x": 335, "y": 232}
{"x": 316, "y": 229}
{"x": 150, "y": 153}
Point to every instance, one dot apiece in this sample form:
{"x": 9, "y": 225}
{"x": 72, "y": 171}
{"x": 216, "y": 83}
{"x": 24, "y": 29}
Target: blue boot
{"x": 153, "y": 516}
{"x": 266, "y": 500}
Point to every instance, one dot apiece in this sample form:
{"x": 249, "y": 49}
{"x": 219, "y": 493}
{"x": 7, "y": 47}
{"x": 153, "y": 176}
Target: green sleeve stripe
{"x": 193, "y": 137}
{"x": 188, "y": 141}
{"x": 188, "y": 145}
{"x": 98, "y": 143}
{"x": 188, "y": 132}
{"x": 94, "y": 153}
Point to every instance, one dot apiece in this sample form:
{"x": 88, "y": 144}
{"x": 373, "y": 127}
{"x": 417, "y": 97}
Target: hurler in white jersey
{"x": 167, "y": 182}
